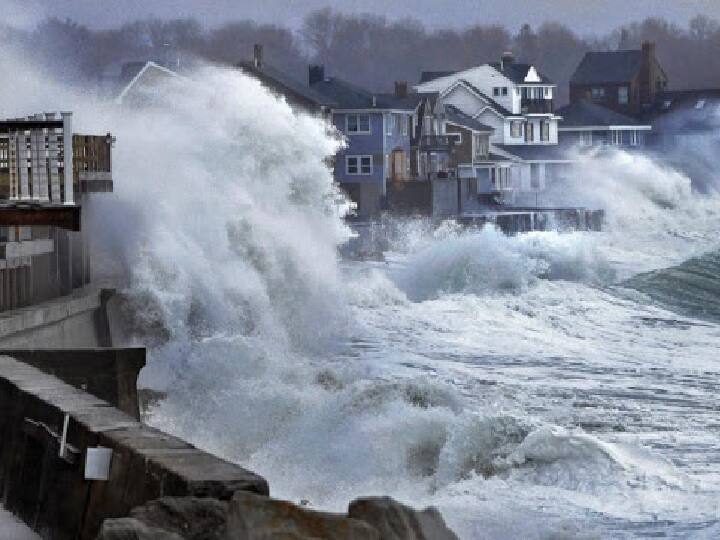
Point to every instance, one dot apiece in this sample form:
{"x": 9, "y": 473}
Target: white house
{"x": 516, "y": 100}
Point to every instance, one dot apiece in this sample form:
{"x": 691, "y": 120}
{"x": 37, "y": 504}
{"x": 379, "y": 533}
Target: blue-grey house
{"x": 378, "y": 129}
{"x": 587, "y": 124}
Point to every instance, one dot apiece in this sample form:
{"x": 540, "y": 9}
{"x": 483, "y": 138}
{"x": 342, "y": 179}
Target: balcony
{"x": 537, "y": 106}
{"x": 440, "y": 143}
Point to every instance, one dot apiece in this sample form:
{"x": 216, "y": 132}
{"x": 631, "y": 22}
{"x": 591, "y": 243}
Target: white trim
{"x": 359, "y": 157}
{"x": 378, "y": 110}
{"x": 359, "y": 132}
{"x": 604, "y": 128}
{"x": 140, "y": 73}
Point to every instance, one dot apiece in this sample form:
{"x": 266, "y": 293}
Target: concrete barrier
{"x": 49, "y": 491}
{"x": 77, "y": 320}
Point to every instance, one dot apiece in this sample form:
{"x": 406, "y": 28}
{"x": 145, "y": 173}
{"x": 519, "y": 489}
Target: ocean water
{"x": 546, "y": 385}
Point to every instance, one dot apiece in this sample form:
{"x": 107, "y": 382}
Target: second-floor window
{"x": 358, "y": 164}
{"x": 515, "y": 128}
{"x": 597, "y": 93}
{"x": 545, "y": 131}
{"x": 358, "y": 123}
{"x": 623, "y": 95}
{"x": 500, "y": 91}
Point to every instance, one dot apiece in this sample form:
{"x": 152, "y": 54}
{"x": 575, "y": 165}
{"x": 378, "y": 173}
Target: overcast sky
{"x": 585, "y": 16}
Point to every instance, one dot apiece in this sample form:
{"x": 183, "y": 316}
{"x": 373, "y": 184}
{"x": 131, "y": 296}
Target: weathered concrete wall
{"x": 50, "y": 493}
{"x": 76, "y": 320}
{"x": 109, "y": 374}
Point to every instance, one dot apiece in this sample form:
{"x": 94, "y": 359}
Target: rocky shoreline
{"x": 249, "y": 516}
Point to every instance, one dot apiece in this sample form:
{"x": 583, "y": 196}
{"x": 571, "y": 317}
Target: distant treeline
{"x": 368, "y": 50}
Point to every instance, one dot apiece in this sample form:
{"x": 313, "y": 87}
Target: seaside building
{"x": 586, "y": 124}
{"x": 379, "y": 129}
{"x": 625, "y": 81}
{"x": 517, "y": 101}
{"x": 44, "y": 253}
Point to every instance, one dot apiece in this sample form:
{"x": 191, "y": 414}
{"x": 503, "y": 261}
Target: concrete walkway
{"x": 11, "y": 528}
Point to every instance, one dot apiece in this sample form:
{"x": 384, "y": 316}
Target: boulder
{"x": 170, "y": 518}
{"x": 191, "y": 517}
{"x": 395, "y": 521}
{"x": 255, "y": 517}
{"x": 133, "y": 529}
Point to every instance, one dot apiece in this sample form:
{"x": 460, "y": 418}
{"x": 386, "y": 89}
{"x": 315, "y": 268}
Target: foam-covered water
{"x": 539, "y": 386}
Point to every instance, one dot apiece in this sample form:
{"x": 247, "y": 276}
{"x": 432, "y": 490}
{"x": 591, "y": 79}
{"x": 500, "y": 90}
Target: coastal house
{"x": 139, "y": 82}
{"x": 47, "y": 174}
{"x": 586, "y": 124}
{"x": 378, "y": 128}
{"x": 296, "y": 93}
{"x": 517, "y": 101}
{"x": 625, "y": 81}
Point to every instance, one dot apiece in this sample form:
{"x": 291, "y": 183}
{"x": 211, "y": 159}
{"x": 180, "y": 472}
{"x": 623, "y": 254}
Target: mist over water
{"x": 533, "y": 386}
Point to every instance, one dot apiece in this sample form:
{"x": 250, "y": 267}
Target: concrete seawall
{"x": 49, "y": 492}
{"x": 76, "y": 320}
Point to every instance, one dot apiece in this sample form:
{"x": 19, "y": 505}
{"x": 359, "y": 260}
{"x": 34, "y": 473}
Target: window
{"x": 634, "y": 138}
{"x": 504, "y": 91}
{"x": 700, "y": 104}
{"x": 358, "y": 123}
{"x": 597, "y": 93}
{"x": 529, "y": 132}
{"x": 515, "y": 128}
{"x": 615, "y": 137}
{"x": 586, "y": 138}
{"x": 481, "y": 146}
{"x": 405, "y": 123}
{"x": 545, "y": 130}
{"x": 623, "y": 95}
{"x": 547, "y": 92}
{"x": 358, "y": 164}
{"x": 496, "y": 91}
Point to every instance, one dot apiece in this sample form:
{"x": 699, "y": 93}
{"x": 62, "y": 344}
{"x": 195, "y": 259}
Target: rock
{"x": 170, "y": 518}
{"x": 254, "y": 517}
{"x": 193, "y": 518}
{"x": 133, "y": 529}
{"x": 395, "y": 521}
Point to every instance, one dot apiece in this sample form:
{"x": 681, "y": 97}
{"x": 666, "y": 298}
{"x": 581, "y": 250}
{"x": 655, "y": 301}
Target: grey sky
{"x": 585, "y": 16}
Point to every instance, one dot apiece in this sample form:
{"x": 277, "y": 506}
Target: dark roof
{"x": 536, "y": 152}
{"x": 427, "y": 76}
{"x": 599, "y": 67}
{"x": 585, "y": 113}
{"x": 455, "y": 115}
{"x": 350, "y": 96}
{"x": 286, "y": 85}
{"x": 685, "y": 110}
{"x": 517, "y": 72}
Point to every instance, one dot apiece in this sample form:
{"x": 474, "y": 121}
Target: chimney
{"x": 506, "y": 59}
{"x": 401, "y": 89}
{"x": 258, "y": 55}
{"x": 316, "y": 73}
{"x": 647, "y": 72}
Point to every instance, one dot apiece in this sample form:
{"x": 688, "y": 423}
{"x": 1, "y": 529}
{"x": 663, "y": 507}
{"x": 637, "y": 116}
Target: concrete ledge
{"x": 51, "y": 495}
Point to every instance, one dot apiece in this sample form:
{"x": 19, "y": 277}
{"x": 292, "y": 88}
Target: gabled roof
{"x": 517, "y": 73}
{"x": 490, "y": 101}
{"x": 599, "y": 67}
{"x": 427, "y": 76}
{"x": 456, "y": 116}
{"x": 585, "y": 113}
{"x": 286, "y": 85}
{"x": 144, "y": 71}
{"x": 347, "y": 95}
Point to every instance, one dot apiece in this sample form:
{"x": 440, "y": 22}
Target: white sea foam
{"x": 496, "y": 377}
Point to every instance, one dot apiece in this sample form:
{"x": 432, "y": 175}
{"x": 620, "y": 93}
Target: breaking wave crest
{"x": 486, "y": 261}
